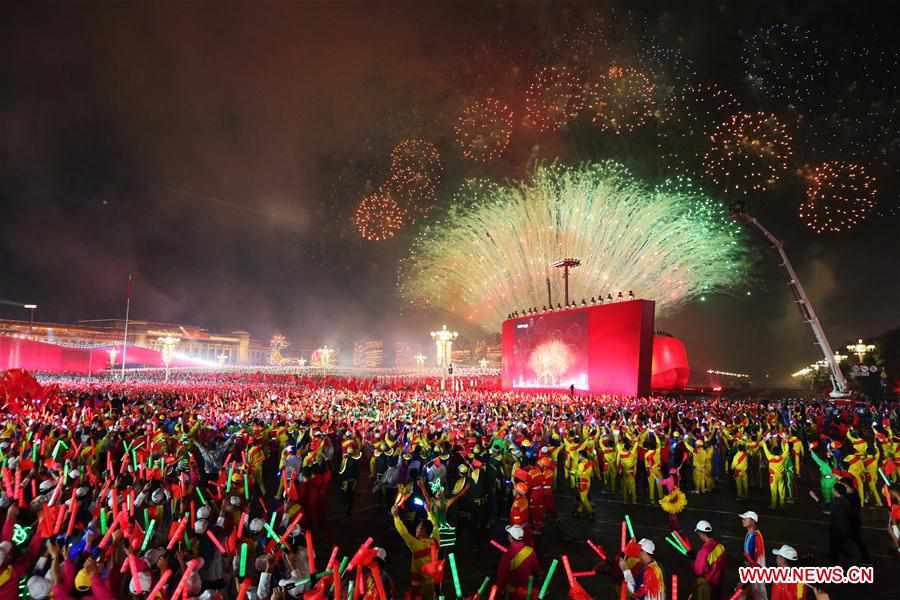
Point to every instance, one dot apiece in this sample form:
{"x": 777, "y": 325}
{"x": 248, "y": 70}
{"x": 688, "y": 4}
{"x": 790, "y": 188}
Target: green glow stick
{"x": 34, "y": 453}
{"x": 103, "y": 524}
{"x": 548, "y": 579}
{"x": 228, "y": 483}
{"x": 676, "y": 546}
{"x": 530, "y": 585}
{"x": 56, "y": 449}
{"x": 456, "y": 586}
{"x": 146, "y": 517}
{"x": 246, "y": 488}
{"x": 200, "y": 494}
{"x": 343, "y": 565}
{"x": 883, "y": 476}
{"x": 483, "y": 586}
{"x": 630, "y": 529}
{"x": 148, "y": 535}
{"x": 134, "y": 460}
{"x": 243, "y": 571}
{"x": 272, "y": 519}
{"x": 678, "y": 542}
{"x": 66, "y": 471}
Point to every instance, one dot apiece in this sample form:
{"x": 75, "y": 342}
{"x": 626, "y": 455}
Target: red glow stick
{"x": 73, "y": 512}
{"x": 135, "y": 573}
{"x": 499, "y": 546}
{"x": 292, "y": 525}
{"x": 336, "y": 577}
{"x": 212, "y": 537}
{"x": 493, "y": 593}
{"x": 182, "y": 583}
{"x": 176, "y": 535}
{"x": 242, "y": 592}
{"x": 357, "y": 587}
{"x": 33, "y": 489}
{"x": 7, "y": 482}
{"x": 683, "y": 540}
{"x": 623, "y": 537}
{"x": 310, "y": 552}
{"x": 358, "y": 556}
{"x": 158, "y": 588}
{"x": 674, "y": 587}
{"x": 240, "y": 531}
{"x": 598, "y": 550}
{"x": 18, "y": 481}
{"x": 590, "y": 573}
{"x": 568, "y": 568}
{"x": 379, "y": 584}
{"x": 738, "y": 593}
{"x": 105, "y": 541}
{"x": 115, "y": 503}
{"x": 59, "y": 518}
{"x": 332, "y": 558}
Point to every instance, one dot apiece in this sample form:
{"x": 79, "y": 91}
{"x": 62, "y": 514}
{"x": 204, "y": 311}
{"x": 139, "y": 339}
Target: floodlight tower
{"x": 565, "y": 264}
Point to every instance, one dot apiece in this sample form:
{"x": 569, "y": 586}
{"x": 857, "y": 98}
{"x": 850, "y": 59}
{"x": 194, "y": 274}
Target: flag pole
{"x": 125, "y": 335}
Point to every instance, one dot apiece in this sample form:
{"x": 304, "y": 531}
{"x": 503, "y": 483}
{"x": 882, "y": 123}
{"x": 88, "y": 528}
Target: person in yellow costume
{"x": 702, "y": 460}
{"x": 776, "y": 474}
{"x": 739, "y": 470}
{"x": 654, "y": 471}
{"x": 610, "y": 463}
{"x": 585, "y": 474}
{"x": 627, "y": 460}
{"x": 420, "y": 546}
{"x": 871, "y": 463}
{"x": 857, "y": 468}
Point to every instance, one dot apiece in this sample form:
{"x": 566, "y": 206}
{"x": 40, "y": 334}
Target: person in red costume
{"x": 709, "y": 564}
{"x": 645, "y": 580}
{"x": 786, "y": 556}
{"x": 12, "y": 569}
{"x": 517, "y": 564}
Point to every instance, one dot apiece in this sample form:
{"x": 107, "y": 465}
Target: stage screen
{"x": 598, "y": 349}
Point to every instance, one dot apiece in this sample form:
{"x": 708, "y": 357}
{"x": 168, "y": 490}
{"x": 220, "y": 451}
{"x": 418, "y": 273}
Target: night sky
{"x": 217, "y": 151}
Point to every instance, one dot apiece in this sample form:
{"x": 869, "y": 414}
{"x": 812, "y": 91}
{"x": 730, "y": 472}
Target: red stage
{"x": 601, "y": 349}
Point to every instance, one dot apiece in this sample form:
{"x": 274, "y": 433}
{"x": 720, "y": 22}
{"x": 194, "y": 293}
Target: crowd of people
{"x": 220, "y": 486}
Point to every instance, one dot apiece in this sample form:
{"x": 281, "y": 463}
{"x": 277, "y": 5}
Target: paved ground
{"x": 801, "y": 525}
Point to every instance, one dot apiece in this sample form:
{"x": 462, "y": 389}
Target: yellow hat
{"x": 83, "y": 581}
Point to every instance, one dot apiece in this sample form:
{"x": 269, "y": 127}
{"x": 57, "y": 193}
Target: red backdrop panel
{"x": 599, "y": 349}
{"x": 670, "y": 364}
{"x": 16, "y": 353}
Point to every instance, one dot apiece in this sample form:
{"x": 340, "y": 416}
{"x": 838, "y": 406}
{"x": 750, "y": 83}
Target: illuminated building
{"x": 368, "y": 354}
{"x": 195, "y": 342}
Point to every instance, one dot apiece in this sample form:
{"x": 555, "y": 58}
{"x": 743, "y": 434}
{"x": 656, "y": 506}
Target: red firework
{"x": 839, "y": 195}
{"x": 483, "y": 130}
{"x": 378, "y": 217}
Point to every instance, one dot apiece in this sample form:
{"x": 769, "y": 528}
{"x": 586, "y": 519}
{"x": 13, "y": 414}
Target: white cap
{"x": 146, "y": 583}
{"x": 200, "y": 526}
{"x": 647, "y": 546}
{"x": 703, "y": 526}
{"x": 256, "y": 525}
{"x": 786, "y": 551}
{"x": 381, "y": 553}
{"x": 46, "y": 485}
{"x": 158, "y": 496}
{"x": 235, "y": 500}
{"x": 38, "y": 587}
{"x": 515, "y": 532}
{"x": 749, "y": 515}
{"x": 203, "y": 512}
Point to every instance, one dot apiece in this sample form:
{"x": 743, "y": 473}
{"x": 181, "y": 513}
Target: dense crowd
{"x": 219, "y": 486}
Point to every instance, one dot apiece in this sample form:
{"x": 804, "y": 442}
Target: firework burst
{"x": 749, "y": 153}
{"x": 688, "y": 118}
{"x": 483, "y": 130}
{"x": 783, "y": 62}
{"x": 416, "y": 170}
{"x": 554, "y": 98}
{"x": 665, "y": 243}
{"x": 378, "y": 217}
{"x": 622, "y": 101}
{"x": 839, "y": 195}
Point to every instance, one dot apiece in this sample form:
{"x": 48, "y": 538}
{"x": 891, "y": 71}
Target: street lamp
{"x": 860, "y": 349}
{"x": 420, "y": 360}
{"x": 30, "y": 307}
{"x": 483, "y": 363}
{"x": 168, "y": 348}
{"x": 443, "y": 340}
{"x": 301, "y": 362}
